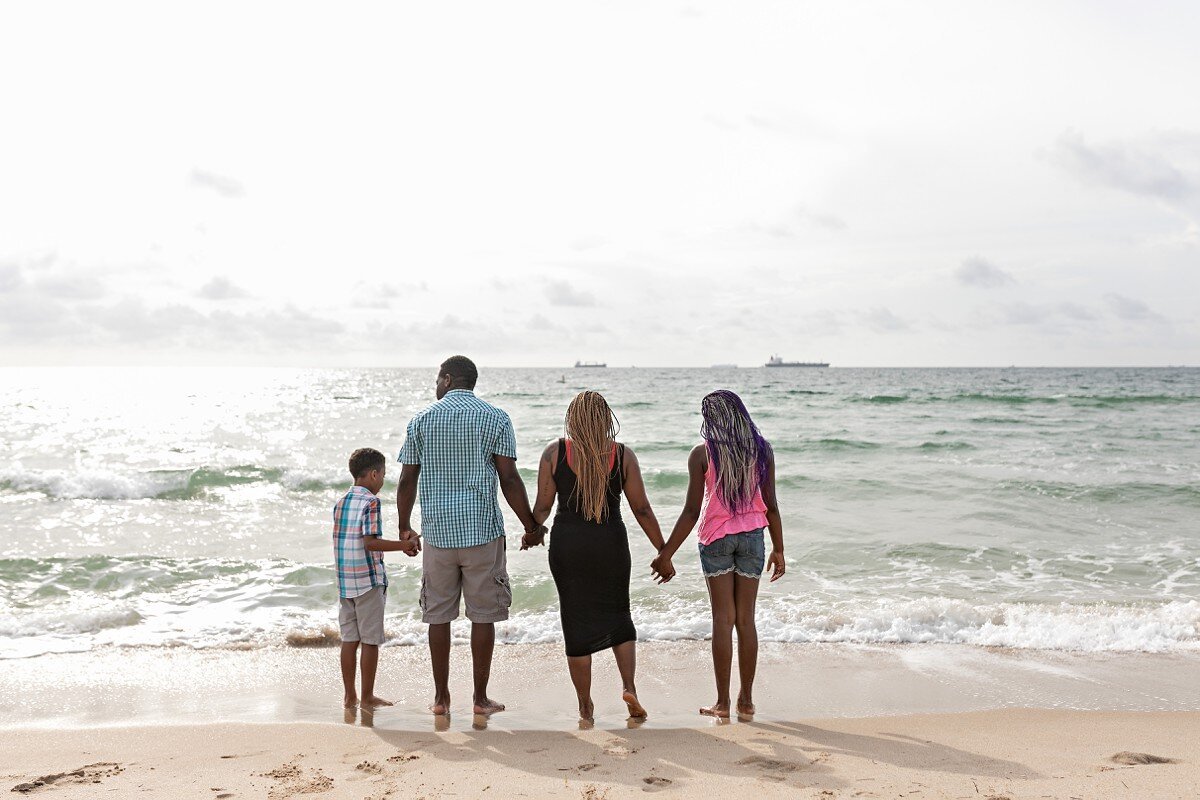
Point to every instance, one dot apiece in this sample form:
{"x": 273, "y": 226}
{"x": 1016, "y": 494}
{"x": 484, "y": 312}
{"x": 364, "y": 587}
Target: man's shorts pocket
{"x": 504, "y": 590}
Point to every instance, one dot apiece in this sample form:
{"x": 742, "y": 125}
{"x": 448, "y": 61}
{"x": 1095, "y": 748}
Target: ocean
{"x": 1045, "y": 509}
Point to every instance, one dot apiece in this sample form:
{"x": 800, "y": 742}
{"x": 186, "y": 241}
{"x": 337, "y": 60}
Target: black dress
{"x": 590, "y": 563}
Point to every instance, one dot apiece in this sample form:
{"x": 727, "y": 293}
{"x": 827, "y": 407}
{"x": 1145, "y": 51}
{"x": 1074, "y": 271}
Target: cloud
{"x": 1129, "y": 309}
{"x": 1163, "y": 166}
{"x": 73, "y": 286}
{"x": 10, "y": 276}
{"x": 977, "y": 271}
{"x": 221, "y": 288}
{"x": 222, "y": 185}
{"x": 561, "y": 293}
{"x": 801, "y": 219}
{"x": 883, "y": 320}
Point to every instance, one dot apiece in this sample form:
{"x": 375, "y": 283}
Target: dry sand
{"x": 986, "y": 755}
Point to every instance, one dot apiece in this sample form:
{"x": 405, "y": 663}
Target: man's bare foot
{"x": 350, "y": 701}
{"x": 720, "y": 710}
{"x": 440, "y": 708}
{"x": 488, "y": 706}
{"x": 587, "y": 711}
{"x": 635, "y": 708}
{"x": 744, "y": 708}
{"x": 375, "y": 702}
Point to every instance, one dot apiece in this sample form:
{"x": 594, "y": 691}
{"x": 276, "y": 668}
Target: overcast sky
{"x": 676, "y": 183}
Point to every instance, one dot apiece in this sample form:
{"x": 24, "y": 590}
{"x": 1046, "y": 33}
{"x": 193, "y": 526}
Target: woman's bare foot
{"x": 635, "y": 708}
{"x": 488, "y": 706}
{"x": 350, "y": 701}
{"x": 375, "y": 702}
{"x": 587, "y": 711}
{"x": 720, "y": 710}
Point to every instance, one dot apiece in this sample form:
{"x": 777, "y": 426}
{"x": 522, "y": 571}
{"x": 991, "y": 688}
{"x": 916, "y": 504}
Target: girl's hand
{"x": 534, "y": 538}
{"x": 662, "y": 569}
{"x": 775, "y": 562}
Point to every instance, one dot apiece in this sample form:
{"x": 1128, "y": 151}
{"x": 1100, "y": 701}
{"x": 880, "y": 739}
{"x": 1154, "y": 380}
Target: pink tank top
{"x": 717, "y": 521}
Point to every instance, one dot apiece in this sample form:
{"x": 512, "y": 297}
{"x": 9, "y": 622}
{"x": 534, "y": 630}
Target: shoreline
{"x": 989, "y": 755}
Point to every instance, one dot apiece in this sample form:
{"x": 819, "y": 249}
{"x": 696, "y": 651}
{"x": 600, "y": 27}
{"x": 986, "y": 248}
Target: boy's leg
{"x": 349, "y": 651}
{"x": 370, "y": 625}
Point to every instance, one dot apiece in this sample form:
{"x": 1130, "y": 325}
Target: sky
{"x": 642, "y": 183}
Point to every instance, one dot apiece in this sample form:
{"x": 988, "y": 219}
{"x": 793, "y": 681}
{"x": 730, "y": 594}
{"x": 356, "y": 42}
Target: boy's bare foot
{"x": 350, "y": 701}
{"x": 720, "y": 710}
{"x": 586, "y": 711}
{"x": 375, "y": 702}
{"x": 488, "y": 706}
{"x": 635, "y": 708}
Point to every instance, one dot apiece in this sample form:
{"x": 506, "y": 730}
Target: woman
{"x": 731, "y": 491}
{"x": 589, "y": 550}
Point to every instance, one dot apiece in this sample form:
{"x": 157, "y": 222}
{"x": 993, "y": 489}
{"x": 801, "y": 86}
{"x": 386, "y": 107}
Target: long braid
{"x": 592, "y": 428}
{"x": 739, "y": 454}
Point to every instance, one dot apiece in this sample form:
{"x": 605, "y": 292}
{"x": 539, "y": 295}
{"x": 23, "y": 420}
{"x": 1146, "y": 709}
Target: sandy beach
{"x": 923, "y": 722}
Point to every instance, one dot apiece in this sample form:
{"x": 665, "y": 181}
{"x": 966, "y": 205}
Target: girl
{"x": 731, "y": 491}
{"x": 589, "y": 550}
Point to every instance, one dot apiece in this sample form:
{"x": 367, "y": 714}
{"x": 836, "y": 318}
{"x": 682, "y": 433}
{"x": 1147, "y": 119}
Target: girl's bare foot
{"x": 350, "y": 701}
{"x": 488, "y": 706}
{"x": 586, "y": 711}
{"x": 631, "y": 702}
{"x": 720, "y": 710}
{"x": 375, "y": 702}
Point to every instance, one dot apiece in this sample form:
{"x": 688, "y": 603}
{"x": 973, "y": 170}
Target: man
{"x": 456, "y": 449}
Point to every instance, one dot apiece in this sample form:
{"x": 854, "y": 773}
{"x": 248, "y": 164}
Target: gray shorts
{"x": 478, "y": 574}
{"x": 361, "y": 618}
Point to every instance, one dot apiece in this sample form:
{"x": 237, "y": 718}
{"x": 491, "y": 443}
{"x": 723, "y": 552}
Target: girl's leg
{"x": 626, "y": 655}
{"x": 745, "y": 595}
{"x": 580, "y": 668}
{"x": 720, "y": 595}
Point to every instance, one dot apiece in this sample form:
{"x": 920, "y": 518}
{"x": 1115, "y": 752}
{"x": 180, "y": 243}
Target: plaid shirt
{"x": 454, "y": 440}
{"x": 358, "y": 570}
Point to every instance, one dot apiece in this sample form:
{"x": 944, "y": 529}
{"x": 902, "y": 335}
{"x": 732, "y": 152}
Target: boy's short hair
{"x": 365, "y": 459}
{"x": 461, "y": 369}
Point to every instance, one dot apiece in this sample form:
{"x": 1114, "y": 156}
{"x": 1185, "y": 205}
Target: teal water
{"x": 1029, "y": 508}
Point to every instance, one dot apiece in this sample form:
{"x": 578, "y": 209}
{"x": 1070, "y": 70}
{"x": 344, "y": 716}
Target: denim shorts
{"x": 742, "y": 553}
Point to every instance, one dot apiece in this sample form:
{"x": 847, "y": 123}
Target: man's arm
{"x": 514, "y": 490}
{"x": 406, "y": 497}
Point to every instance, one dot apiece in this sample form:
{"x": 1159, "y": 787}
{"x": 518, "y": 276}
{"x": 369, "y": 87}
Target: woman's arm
{"x": 697, "y": 466}
{"x": 639, "y": 504}
{"x": 774, "y": 523}
{"x": 545, "y": 496}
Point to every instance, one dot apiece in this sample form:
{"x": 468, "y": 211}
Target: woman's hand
{"x": 775, "y": 562}
{"x": 534, "y": 538}
{"x": 662, "y": 569}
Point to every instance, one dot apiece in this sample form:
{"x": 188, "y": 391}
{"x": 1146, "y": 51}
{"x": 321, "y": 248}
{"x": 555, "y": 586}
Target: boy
{"x": 358, "y": 548}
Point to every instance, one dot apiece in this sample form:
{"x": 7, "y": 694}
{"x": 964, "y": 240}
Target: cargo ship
{"x": 776, "y": 361}
{"x": 589, "y": 364}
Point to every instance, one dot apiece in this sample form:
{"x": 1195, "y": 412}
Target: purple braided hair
{"x": 739, "y": 454}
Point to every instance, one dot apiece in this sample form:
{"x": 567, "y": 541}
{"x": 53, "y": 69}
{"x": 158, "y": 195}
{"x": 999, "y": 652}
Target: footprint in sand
{"x": 654, "y": 783}
{"x": 369, "y": 767}
{"x": 1133, "y": 759}
{"x": 403, "y": 757}
{"x": 291, "y": 780}
{"x": 92, "y": 773}
{"x": 770, "y": 764}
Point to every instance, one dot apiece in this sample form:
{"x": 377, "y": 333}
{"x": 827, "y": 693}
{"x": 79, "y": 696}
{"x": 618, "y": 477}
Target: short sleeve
{"x": 506, "y": 439}
{"x": 410, "y": 452}
{"x": 372, "y": 519}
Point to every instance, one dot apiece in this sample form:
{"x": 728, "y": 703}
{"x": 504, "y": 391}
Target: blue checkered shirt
{"x": 358, "y": 570}
{"x": 454, "y": 440}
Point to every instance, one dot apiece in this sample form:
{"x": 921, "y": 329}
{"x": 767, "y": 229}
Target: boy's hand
{"x": 775, "y": 562}
{"x": 410, "y": 547}
{"x": 409, "y": 535}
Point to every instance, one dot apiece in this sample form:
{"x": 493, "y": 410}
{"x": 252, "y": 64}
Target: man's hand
{"x": 410, "y": 547}
{"x": 534, "y": 538}
{"x": 662, "y": 569}
{"x": 409, "y": 535}
{"x": 775, "y": 562}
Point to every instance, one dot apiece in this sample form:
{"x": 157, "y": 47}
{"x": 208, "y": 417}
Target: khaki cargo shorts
{"x": 361, "y": 618}
{"x": 478, "y": 574}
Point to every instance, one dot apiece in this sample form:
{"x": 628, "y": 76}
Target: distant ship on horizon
{"x": 776, "y": 361}
{"x": 589, "y": 364}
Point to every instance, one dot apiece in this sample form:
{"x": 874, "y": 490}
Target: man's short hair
{"x": 365, "y": 459}
{"x": 461, "y": 370}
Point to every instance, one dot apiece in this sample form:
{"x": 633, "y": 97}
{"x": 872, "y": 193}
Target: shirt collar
{"x": 459, "y": 392}
{"x": 359, "y": 489}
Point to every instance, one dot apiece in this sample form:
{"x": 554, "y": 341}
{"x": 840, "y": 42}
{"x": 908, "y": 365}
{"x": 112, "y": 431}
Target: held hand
{"x": 409, "y": 535}
{"x": 534, "y": 538}
{"x": 410, "y": 547}
{"x": 662, "y": 569}
{"x": 775, "y": 563}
